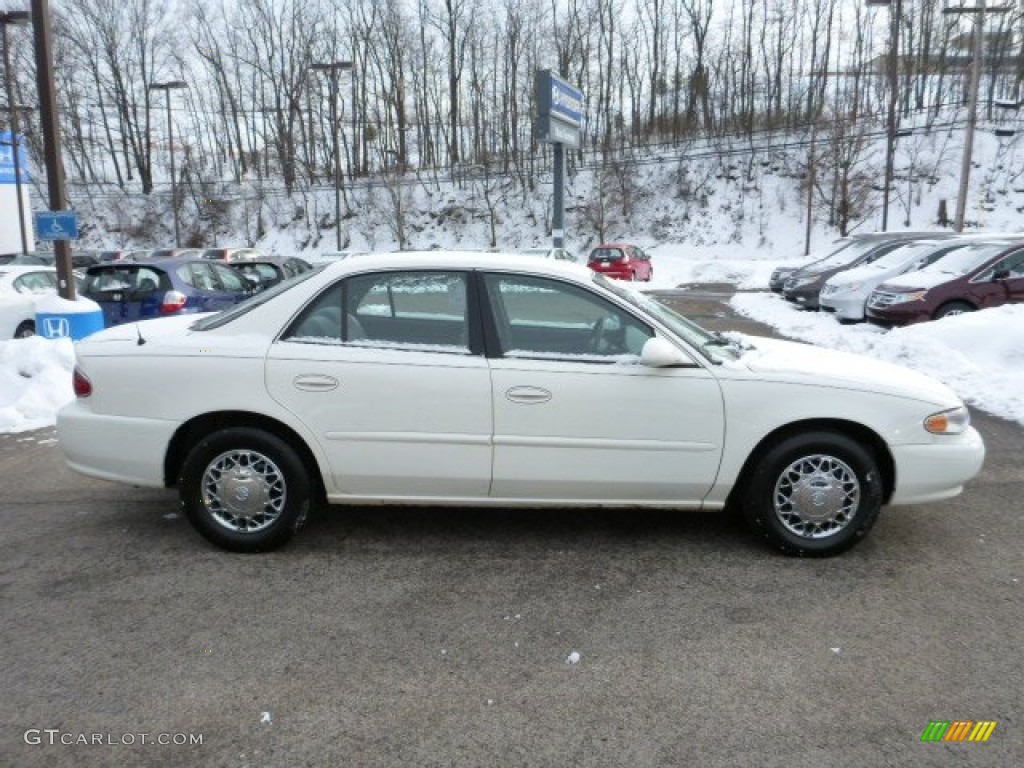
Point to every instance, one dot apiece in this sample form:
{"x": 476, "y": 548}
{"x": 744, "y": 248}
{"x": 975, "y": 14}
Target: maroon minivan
{"x": 975, "y": 276}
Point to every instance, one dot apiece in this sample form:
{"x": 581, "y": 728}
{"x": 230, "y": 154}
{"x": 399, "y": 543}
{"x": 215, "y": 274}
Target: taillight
{"x": 80, "y": 383}
{"x": 174, "y": 301}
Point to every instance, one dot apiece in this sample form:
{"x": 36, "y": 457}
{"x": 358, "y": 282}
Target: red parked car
{"x": 976, "y": 276}
{"x": 622, "y": 261}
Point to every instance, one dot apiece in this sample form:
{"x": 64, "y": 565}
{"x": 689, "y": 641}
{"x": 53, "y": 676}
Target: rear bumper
{"x": 616, "y": 272}
{"x": 116, "y": 448}
{"x": 936, "y": 471}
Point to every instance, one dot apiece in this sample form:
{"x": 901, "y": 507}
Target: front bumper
{"x": 936, "y": 470}
{"x": 806, "y": 295}
{"x": 118, "y": 448}
{"x": 898, "y": 314}
{"x": 844, "y": 307}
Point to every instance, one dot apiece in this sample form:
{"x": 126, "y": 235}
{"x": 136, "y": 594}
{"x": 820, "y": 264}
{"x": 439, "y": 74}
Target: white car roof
{"x": 459, "y": 260}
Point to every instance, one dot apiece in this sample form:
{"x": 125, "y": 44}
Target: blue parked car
{"x": 129, "y": 290}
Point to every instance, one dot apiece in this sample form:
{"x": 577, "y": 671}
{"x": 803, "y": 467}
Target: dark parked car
{"x": 803, "y": 286}
{"x": 233, "y": 254}
{"x": 777, "y": 280}
{"x": 622, "y": 261}
{"x": 268, "y": 271}
{"x": 975, "y": 276}
{"x": 138, "y": 290}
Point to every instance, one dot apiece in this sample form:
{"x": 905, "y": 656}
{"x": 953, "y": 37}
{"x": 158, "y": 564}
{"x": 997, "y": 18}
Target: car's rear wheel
{"x": 815, "y": 494}
{"x": 245, "y": 489}
{"x": 26, "y": 329}
{"x": 650, "y": 274}
{"x": 952, "y": 308}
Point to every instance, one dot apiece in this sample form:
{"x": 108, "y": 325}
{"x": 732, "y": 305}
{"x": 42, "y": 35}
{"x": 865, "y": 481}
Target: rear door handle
{"x": 315, "y": 382}
{"x": 528, "y": 395}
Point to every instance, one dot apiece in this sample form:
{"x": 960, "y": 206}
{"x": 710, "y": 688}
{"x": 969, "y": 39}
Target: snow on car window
{"x": 526, "y": 354}
{"x": 448, "y": 349}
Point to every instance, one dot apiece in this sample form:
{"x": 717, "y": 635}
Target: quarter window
{"x": 541, "y": 318}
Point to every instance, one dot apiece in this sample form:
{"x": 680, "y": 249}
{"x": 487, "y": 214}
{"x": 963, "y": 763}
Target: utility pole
{"x": 895, "y": 11}
{"x": 49, "y": 120}
{"x": 332, "y": 68}
{"x": 977, "y": 58}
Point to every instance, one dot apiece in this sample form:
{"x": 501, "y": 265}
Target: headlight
{"x": 951, "y": 422}
{"x": 901, "y": 298}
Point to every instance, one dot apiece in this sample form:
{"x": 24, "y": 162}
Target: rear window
{"x": 606, "y": 254}
{"x": 129, "y": 279}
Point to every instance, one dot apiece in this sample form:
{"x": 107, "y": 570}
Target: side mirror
{"x": 1001, "y": 274}
{"x": 659, "y": 353}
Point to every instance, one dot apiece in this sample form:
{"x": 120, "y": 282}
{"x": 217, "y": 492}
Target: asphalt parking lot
{"x": 414, "y": 637}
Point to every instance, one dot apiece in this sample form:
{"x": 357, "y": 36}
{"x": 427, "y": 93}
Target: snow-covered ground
{"x": 980, "y": 355}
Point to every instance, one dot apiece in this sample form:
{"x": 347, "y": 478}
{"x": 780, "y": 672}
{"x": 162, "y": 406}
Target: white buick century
{"x": 484, "y": 379}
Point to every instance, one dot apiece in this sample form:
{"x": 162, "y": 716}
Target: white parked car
{"x": 20, "y": 286}
{"x": 487, "y": 379}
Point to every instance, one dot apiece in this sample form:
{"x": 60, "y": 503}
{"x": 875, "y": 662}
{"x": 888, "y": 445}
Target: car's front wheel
{"x": 245, "y": 489}
{"x": 952, "y": 308}
{"x": 815, "y": 494}
{"x": 26, "y": 329}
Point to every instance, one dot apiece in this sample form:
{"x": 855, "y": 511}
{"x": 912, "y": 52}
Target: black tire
{"x": 26, "y": 329}
{"x": 813, "y": 495}
{"x": 218, "y": 481}
{"x": 650, "y": 275}
{"x": 952, "y": 308}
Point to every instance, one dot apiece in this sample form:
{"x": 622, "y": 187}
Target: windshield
{"x": 714, "y": 346}
{"x": 962, "y": 260}
{"x": 902, "y": 255}
{"x": 222, "y": 318}
{"x": 845, "y": 255}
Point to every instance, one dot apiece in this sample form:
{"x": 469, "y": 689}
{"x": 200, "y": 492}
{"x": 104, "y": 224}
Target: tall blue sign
{"x": 7, "y": 159}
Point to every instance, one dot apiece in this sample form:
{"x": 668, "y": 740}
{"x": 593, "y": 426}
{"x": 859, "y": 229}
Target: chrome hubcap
{"x": 816, "y": 496}
{"x": 243, "y": 491}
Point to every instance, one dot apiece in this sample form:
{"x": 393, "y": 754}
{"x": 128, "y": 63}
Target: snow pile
{"x": 35, "y": 382}
{"x": 979, "y": 354}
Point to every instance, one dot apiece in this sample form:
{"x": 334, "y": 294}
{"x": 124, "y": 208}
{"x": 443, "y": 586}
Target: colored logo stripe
{"x": 958, "y": 730}
{"x": 982, "y": 730}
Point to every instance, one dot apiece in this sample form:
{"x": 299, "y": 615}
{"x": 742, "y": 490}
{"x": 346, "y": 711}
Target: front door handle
{"x": 528, "y": 395}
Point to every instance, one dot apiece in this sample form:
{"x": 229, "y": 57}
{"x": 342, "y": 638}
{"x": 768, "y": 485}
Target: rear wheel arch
{"x": 858, "y": 432}
{"x": 195, "y": 429}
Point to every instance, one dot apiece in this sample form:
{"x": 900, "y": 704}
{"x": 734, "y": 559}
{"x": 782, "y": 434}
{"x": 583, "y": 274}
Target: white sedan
{"x": 486, "y": 379}
{"x": 20, "y": 286}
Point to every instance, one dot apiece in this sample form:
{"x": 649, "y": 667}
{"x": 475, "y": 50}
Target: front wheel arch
{"x": 867, "y": 437}
{"x": 195, "y": 429}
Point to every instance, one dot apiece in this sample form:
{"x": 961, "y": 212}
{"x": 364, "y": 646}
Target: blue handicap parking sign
{"x": 57, "y": 225}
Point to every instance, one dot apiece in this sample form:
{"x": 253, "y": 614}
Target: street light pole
{"x": 6, "y": 19}
{"x": 167, "y": 88}
{"x": 333, "y": 67}
{"x": 895, "y": 10}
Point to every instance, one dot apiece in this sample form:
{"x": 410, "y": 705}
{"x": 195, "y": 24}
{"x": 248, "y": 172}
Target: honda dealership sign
{"x": 559, "y": 110}
{"x": 10, "y": 232}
